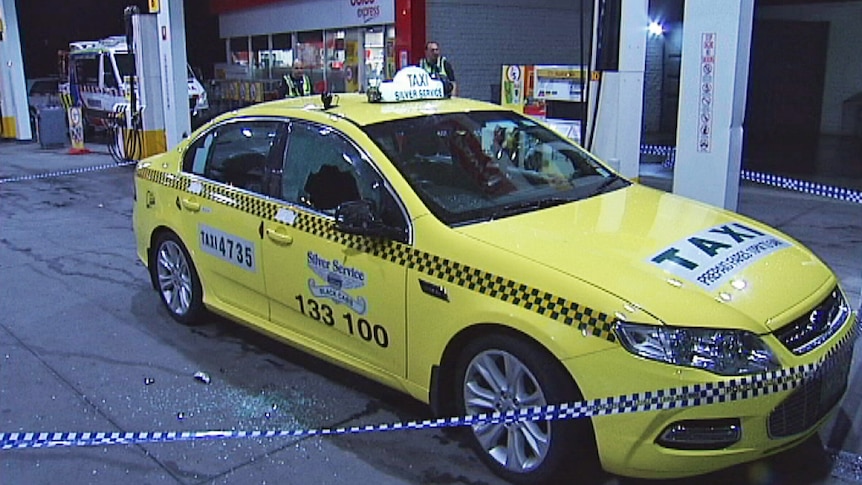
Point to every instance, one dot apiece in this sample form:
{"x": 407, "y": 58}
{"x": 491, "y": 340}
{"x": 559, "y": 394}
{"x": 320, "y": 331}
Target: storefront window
{"x": 309, "y": 50}
{"x": 335, "y": 57}
{"x": 352, "y": 61}
{"x": 282, "y": 50}
{"x": 374, "y": 53}
{"x": 239, "y": 50}
{"x": 282, "y": 54}
{"x": 340, "y": 61}
{"x": 390, "y": 52}
{"x": 261, "y": 57}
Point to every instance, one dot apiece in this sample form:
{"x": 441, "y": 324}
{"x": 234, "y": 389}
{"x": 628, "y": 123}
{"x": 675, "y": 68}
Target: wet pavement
{"x": 85, "y": 346}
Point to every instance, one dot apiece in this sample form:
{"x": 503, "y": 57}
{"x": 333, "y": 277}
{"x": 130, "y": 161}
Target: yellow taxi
{"x": 478, "y": 261}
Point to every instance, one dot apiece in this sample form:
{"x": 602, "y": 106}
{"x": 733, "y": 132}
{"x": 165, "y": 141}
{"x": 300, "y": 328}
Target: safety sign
{"x": 707, "y": 88}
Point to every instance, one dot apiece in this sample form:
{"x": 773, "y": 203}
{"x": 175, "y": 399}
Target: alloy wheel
{"x": 174, "y": 277}
{"x": 497, "y": 381}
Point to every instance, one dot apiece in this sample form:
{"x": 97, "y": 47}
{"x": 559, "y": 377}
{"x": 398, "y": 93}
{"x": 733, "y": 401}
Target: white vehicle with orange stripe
{"x": 98, "y": 79}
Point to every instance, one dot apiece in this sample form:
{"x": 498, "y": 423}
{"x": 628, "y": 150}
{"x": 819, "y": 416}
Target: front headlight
{"x": 724, "y": 352}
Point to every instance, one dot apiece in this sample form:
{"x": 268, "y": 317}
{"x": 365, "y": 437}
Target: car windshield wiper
{"x": 528, "y": 205}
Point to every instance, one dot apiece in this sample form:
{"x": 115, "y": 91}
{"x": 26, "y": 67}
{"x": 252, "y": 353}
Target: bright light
{"x": 655, "y": 28}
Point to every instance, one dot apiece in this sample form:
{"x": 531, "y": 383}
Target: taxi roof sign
{"x": 411, "y": 83}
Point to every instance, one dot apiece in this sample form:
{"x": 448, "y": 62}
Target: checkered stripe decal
{"x": 587, "y": 320}
{"x": 533, "y": 299}
{"x": 162, "y": 178}
{"x": 241, "y": 201}
{"x": 747, "y": 387}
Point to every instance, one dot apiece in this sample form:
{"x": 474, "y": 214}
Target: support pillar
{"x": 617, "y": 129}
{"x": 14, "y": 106}
{"x": 173, "y": 65}
{"x": 147, "y": 67}
{"x": 409, "y": 32}
{"x": 713, "y": 82}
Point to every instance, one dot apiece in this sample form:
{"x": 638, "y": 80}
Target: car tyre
{"x": 502, "y": 373}
{"x": 176, "y": 280}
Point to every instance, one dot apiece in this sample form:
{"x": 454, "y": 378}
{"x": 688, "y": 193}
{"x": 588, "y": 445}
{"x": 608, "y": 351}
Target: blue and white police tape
{"x": 841, "y": 193}
{"x": 61, "y": 173}
{"x": 813, "y": 188}
{"x": 686, "y": 396}
{"x": 668, "y": 152}
{"x": 746, "y": 387}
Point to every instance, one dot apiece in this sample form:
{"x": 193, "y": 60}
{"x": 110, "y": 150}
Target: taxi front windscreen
{"x": 483, "y": 165}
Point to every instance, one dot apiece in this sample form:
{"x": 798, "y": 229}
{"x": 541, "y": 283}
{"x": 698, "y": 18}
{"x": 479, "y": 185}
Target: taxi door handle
{"x": 191, "y": 205}
{"x": 279, "y": 237}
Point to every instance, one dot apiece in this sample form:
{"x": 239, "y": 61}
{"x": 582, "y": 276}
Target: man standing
{"x": 297, "y": 83}
{"x": 438, "y": 66}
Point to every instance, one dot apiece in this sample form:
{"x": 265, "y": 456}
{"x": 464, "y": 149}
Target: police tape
{"x": 746, "y": 387}
{"x": 61, "y": 173}
{"x": 787, "y": 183}
{"x": 813, "y": 188}
{"x": 650, "y": 401}
{"x": 840, "y": 193}
{"x": 668, "y": 152}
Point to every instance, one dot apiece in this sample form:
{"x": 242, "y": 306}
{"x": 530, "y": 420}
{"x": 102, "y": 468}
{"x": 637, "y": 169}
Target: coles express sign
{"x": 366, "y": 10}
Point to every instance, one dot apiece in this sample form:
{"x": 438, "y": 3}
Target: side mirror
{"x": 359, "y": 217}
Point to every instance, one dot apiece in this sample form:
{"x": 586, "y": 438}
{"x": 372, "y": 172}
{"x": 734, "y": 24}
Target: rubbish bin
{"x": 51, "y": 126}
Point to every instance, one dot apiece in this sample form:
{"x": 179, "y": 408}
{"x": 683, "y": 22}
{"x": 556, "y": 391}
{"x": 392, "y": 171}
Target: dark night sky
{"x": 49, "y": 25}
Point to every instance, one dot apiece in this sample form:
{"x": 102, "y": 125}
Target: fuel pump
{"x": 149, "y": 83}
{"x": 141, "y": 119}
{"x": 125, "y": 124}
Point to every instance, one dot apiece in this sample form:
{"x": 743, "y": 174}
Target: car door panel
{"x": 343, "y": 298}
{"x": 228, "y": 169}
{"x": 322, "y": 284}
